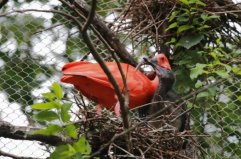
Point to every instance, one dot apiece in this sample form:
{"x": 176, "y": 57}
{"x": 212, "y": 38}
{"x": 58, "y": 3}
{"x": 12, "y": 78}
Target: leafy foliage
{"x": 200, "y": 62}
{"x": 55, "y": 110}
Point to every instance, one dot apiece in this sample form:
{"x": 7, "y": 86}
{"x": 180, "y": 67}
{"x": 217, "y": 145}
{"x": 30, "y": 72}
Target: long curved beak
{"x": 153, "y": 63}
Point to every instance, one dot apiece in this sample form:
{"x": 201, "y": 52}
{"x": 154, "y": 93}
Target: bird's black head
{"x": 163, "y": 69}
{"x": 166, "y": 77}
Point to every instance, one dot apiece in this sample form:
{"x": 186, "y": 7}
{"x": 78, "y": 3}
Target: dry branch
{"x": 108, "y": 35}
{"x": 5, "y": 154}
{"x": 24, "y": 133}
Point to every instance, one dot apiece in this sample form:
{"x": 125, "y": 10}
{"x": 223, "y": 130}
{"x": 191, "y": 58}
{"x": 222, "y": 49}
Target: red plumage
{"x": 93, "y": 83}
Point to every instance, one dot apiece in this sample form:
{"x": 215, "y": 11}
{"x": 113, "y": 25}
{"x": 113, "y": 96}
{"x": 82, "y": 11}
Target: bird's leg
{"x": 99, "y": 109}
{"x": 117, "y": 109}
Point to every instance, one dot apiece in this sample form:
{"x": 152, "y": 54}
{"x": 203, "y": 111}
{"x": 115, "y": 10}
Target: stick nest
{"x": 147, "y": 141}
{"x": 151, "y": 17}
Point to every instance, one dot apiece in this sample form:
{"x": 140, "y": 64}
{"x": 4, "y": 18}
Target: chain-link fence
{"x": 34, "y": 45}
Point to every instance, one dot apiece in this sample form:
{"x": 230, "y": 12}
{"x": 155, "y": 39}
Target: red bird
{"x": 93, "y": 83}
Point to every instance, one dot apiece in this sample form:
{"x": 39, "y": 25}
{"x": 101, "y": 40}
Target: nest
{"x": 149, "y": 18}
{"x": 148, "y": 15}
{"x": 147, "y": 142}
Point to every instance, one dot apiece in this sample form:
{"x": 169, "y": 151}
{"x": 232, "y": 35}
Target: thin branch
{"x": 49, "y": 28}
{"x": 90, "y": 16}
{"x": 224, "y": 12}
{"x": 124, "y": 110}
{"x": 38, "y": 10}
{"x": 124, "y": 77}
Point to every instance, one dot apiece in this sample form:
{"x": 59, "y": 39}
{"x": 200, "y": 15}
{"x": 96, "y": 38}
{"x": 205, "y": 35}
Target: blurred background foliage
{"x": 203, "y": 43}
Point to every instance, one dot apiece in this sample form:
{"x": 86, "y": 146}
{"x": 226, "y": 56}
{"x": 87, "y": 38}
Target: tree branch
{"x": 108, "y": 35}
{"x": 24, "y": 133}
{"x": 3, "y": 2}
{"x": 2, "y": 153}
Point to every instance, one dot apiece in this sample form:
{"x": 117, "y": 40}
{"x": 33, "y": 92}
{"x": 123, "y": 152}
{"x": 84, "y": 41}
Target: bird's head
{"x": 161, "y": 61}
{"x": 162, "y": 67}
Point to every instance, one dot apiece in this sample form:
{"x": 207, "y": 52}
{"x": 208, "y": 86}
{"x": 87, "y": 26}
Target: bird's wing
{"x": 91, "y": 80}
{"x": 97, "y": 90}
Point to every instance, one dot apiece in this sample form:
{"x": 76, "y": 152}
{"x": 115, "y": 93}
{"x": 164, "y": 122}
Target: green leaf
{"x": 190, "y": 40}
{"x": 212, "y": 91}
{"x": 82, "y": 146}
{"x": 173, "y": 15}
{"x": 184, "y": 2}
{"x": 50, "y": 130}
{"x": 57, "y": 90}
{"x": 204, "y": 16}
{"x": 196, "y": 71}
{"x": 46, "y": 116}
{"x": 71, "y": 131}
{"x": 214, "y": 17}
{"x": 228, "y": 68}
{"x": 198, "y": 84}
{"x": 204, "y": 27}
{"x": 63, "y": 152}
{"x": 200, "y": 3}
{"x": 183, "y": 18}
{"x": 222, "y": 73}
{"x": 173, "y": 40}
{"x": 203, "y": 94}
{"x": 184, "y": 28}
{"x": 58, "y": 105}
{"x": 236, "y": 70}
{"x": 173, "y": 25}
{"x": 44, "y": 106}
{"x": 64, "y": 112}
{"x": 50, "y": 96}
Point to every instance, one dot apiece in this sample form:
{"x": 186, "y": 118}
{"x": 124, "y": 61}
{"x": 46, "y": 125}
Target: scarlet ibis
{"x": 93, "y": 83}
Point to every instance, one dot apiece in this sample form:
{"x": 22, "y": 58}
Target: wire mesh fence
{"x": 35, "y": 45}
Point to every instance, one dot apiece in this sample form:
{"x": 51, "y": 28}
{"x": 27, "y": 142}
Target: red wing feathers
{"x": 90, "y": 79}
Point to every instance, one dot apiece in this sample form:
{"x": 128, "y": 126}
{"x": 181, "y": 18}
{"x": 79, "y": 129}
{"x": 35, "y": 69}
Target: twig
{"x": 37, "y": 10}
{"x": 51, "y": 27}
{"x": 130, "y": 154}
{"x": 90, "y": 16}
{"x": 224, "y": 12}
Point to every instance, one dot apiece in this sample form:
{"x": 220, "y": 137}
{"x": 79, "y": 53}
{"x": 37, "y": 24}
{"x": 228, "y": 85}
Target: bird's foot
{"x": 98, "y": 109}
{"x": 117, "y": 109}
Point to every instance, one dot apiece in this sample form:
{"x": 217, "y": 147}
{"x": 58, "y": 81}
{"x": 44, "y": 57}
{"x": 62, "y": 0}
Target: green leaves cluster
{"x": 202, "y": 56}
{"x": 193, "y": 51}
{"x": 79, "y": 150}
{"x": 189, "y": 18}
{"x": 54, "y": 110}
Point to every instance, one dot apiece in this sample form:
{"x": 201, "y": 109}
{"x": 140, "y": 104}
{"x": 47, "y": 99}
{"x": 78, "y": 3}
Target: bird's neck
{"x": 165, "y": 84}
{"x": 155, "y": 83}
{"x": 162, "y": 89}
